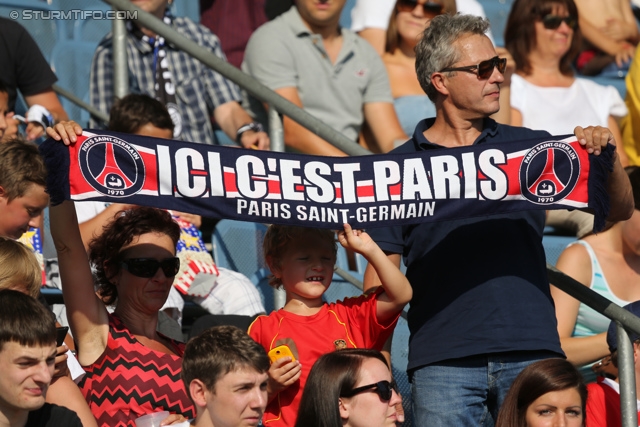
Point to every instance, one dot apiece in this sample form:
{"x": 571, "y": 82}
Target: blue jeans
{"x": 467, "y": 391}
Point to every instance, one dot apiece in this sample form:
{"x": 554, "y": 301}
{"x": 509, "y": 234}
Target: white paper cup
{"x": 152, "y": 420}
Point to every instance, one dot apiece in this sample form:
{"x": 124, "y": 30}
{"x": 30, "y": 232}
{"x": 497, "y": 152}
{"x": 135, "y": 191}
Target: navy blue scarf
{"x": 297, "y": 189}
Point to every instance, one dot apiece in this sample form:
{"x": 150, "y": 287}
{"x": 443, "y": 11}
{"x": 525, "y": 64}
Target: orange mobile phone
{"x": 280, "y": 351}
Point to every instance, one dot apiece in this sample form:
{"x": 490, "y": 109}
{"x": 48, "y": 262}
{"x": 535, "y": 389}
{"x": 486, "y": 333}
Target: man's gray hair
{"x": 435, "y": 50}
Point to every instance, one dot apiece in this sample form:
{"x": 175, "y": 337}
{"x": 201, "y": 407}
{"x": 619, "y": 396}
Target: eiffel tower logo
{"x": 548, "y": 184}
{"x": 111, "y": 166}
{"x": 111, "y": 175}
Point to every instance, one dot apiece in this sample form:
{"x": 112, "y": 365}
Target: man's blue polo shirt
{"x": 480, "y": 284}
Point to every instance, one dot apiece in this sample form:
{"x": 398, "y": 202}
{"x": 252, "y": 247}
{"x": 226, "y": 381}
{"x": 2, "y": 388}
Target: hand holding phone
{"x": 61, "y": 334}
{"x": 279, "y": 352}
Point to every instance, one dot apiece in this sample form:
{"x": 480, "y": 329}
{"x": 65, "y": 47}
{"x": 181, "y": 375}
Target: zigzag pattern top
{"x": 130, "y": 380}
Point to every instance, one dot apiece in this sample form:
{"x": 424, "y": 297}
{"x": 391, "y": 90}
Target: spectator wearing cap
{"x": 603, "y": 403}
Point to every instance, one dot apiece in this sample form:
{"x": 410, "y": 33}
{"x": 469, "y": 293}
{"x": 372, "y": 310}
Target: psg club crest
{"x": 114, "y": 168}
{"x": 549, "y": 172}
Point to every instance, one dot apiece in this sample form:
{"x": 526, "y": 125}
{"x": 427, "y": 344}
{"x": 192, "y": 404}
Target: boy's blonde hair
{"x": 279, "y": 237}
{"x": 19, "y": 268}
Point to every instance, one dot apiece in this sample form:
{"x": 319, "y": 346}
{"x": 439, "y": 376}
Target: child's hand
{"x": 65, "y": 131}
{"x": 282, "y": 373}
{"x": 356, "y": 240}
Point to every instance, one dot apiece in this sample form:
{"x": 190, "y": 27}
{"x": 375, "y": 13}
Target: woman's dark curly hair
{"x": 105, "y": 250}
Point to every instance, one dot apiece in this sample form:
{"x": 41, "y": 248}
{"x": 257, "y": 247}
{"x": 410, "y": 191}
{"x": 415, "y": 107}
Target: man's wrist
{"x": 253, "y": 126}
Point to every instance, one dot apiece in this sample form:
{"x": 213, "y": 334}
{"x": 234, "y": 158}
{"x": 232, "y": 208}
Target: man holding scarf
{"x": 481, "y": 308}
{"x": 191, "y": 91}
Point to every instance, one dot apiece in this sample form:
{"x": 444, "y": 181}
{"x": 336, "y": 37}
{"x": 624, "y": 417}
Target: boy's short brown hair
{"x": 279, "y": 237}
{"x": 20, "y": 166}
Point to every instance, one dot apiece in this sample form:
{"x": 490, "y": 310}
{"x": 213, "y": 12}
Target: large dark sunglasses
{"x": 429, "y": 8}
{"x": 552, "y": 22}
{"x": 384, "y": 389}
{"x": 483, "y": 69}
{"x": 148, "y": 267}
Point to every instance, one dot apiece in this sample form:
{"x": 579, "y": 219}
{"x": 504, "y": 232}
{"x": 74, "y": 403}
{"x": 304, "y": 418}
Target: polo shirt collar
{"x": 293, "y": 19}
{"x": 489, "y": 130}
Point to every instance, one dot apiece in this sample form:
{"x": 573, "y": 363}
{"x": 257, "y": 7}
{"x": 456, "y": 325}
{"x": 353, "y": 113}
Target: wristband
{"x": 39, "y": 114}
{"x": 254, "y": 126}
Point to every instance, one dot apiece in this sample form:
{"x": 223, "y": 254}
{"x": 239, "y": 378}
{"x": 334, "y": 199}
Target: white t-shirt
{"x": 376, "y": 13}
{"x": 558, "y": 110}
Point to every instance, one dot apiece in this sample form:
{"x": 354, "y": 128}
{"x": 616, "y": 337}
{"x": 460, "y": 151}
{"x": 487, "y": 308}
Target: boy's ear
{"x": 275, "y": 270}
{"x": 198, "y": 392}
{"x": 2, "y": 192}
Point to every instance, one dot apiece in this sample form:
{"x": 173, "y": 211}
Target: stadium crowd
{"x": 492, "y": 341}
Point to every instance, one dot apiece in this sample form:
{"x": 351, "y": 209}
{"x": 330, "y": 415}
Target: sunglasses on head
{"x": 552, "y": 22}
{"x": 148, "y": 267}
{"x": 384, "y": 389}
{"x": 483, "y": 69}
{"x": 429, "y": 8}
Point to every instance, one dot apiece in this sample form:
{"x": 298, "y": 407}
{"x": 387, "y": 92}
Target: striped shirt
{"x": 199, "y": 90}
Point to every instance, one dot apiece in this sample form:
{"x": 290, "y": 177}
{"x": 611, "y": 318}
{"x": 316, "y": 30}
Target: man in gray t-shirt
{"x": 305, "y": 56}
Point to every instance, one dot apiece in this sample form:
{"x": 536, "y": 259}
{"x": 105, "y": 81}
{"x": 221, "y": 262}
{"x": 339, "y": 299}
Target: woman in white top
{"x": 542, "y": 37}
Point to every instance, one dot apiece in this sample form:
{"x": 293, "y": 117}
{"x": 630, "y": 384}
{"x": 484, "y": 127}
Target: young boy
{"x": 302, "y": 261}
{"x": 225, "y": 374}
{"x": 27, "y": 357}
{"x": 22, "y": 187}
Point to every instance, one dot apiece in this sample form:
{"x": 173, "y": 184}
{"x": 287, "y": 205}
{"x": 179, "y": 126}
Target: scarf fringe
{"x": 56, "y": 159}
{"x": 600, "y": 168}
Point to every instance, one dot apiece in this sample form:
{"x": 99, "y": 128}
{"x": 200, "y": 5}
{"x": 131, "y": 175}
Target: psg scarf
{"x": 315, "y": 191}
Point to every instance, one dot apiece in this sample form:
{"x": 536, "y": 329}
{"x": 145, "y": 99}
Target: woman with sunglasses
{"x": 132, "y": 370}
{"x": 408, "y": 20}
{"x": 543, "y": 38}
{"x": 349, "y": 388}
{"x": 549, "y": 392}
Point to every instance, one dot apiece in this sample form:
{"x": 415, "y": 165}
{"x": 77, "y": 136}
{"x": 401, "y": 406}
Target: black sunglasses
{"x": 148, "y": 267}
{"x": 483, "y": 69}
{"x": 383, "y": 389}
{"x": 552, "y": 22}
{"x": 429, "y": 8}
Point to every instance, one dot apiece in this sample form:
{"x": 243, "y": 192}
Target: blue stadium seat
{"x": 190, "y": 9}
{"x": 554, "y": 245}
{"x": 32, "y": 14}
{"x": 237, "y": 245}
{"x": 345, "y": 17}
{"x": 399, "y": 360}
{"x": 71, "y": 61}
{"x": 497, "y": 12}
{"x": 617, "y": 82}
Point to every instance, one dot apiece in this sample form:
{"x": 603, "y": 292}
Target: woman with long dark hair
{"x": 351, "y": 387}
{"x": 547, "y": 392}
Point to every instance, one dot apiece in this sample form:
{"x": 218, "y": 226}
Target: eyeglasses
{"x": 381, "y": 388}
{"x": 485, "y": 68}
{"x": 552, "y": 22}
{"x": 148, "y": 267}
{"x": 428, "y": 8}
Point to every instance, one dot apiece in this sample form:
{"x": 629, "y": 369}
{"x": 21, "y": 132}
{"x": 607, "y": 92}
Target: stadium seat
{"x": 237, "y": 245}
{"x": 554, "y": 245}
{"x": 345, "y": 17}
{"x": 45, "y": 32}
{"x": 71, "y": 61}
{"x": 497, "y": 12}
